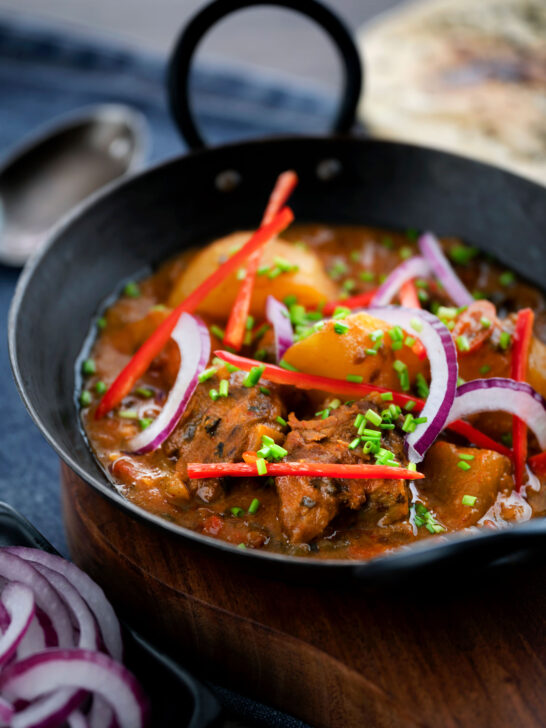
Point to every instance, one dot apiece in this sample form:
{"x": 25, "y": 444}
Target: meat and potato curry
{"x": 326, "y": 390}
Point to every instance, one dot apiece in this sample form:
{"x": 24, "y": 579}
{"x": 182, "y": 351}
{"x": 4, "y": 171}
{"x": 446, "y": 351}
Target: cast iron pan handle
{"x": 181, "y": 58}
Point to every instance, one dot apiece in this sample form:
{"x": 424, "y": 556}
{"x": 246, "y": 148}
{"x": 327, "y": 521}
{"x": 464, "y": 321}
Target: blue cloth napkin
{"x": 45, "y": 74}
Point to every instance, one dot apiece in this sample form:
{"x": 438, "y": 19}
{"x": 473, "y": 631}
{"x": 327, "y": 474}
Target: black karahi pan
{"x": 125, "y": 230}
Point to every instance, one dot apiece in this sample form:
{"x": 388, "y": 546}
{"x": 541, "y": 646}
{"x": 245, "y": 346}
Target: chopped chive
{"x": 101, "y": 323}
{"x": 416, "y": 325}
{"x": 387, "y": 396}
{"x": 507, "y": 278}
{"x": 469, "y": 500}
{"x": 129, "y": 414}
{"x": 290, "y": 300}
{"x": 260, "y": 354}
{"x": 282, "y": 422}
{"x": 421, "y": 283}
{"x": 131, "y": 289}
{"x": 341, "y": 312}
{"x": 421, "y": 386}
{"x": 261, "y": 466}
{"x": 409, "y": 341}
{"x": 145, "y": 392}
{"x": 223, "y": 389}
{"x": 408, "y": 425}
{"x": 213, "y": 394}
{"x": 463, "y": 465}
{"x": 396, "y": 333}
{"x": 301, "y": 245}
{"x": 337, "y": 270}
{"x": 464, "y": 456}
{"x": 265, "y": 390}
{"x": 285, "y": 265}
{"x": 447, "y": 312}
{"x": 366, "y": 275}
{"x": 241, "y": 546}
{"x": 253, "y": 376}
{"x": 377, "y": 335}
{"x": 262, "y": 270}
{"x": 340, "y": 327}
{"x": 412, "y": 467}
{"x": 374, "y": 418}
{"x": 405, "y": 252}
{"x": 485, "y": 369}
{"x": 387, "y": 426}
{"x": 323, "y": 414}
{"x": 359, "y": 419}
{"x": 478, "y": 295}
{"x": 236, "y": 511}
{"x": 89, "y": 367}
{"x": 356, "y": 378}
{"x": 241, "y": 274}
{"x": 420, "y": 420}
{"x": 395, "y": 410}
{"x": 460, "y": 381}
{"x": 85, "y": 398}
{"x": 462, "y": 343}
{"x": 249, "y": 323}
{"x": 355, "y": 443}
{"x": 409, "y": 405}
{"x": 335, "y": 403}
{"x": 145, "y": 422}
{"x": 206, "y": 374}
{"x": 100, "y": 387}
{"x": 217, "y": 331}
{"x": 387, "y": 242}
{"x": 507, "y": 439}
{"x": 348, "y": 284}
{"x": 372, "y": 434}
{"x": 422, "y": 295}
{"x": 396, "y": 345}
{"x": 275, "y": 272}
{"x": 485, "y": 322}
{"x": 355, "y": 256}
{"x": 504, "y": 340}
{"x": 285, "y": 365}
{"x": 462, "y": 254}
{"x": 253, "y": 507}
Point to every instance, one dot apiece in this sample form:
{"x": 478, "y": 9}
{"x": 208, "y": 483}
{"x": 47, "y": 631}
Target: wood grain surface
{"x": 428, "y": 653}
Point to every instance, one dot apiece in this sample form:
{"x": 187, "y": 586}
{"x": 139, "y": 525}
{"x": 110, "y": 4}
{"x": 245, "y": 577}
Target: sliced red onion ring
{"x": 504, "y": 395}
{"x": 416, "y": 267}
{"x": 91, "y": 671}
{"x": 444, "y": 369}
{"x": 33, "y": 641}
{"x": 434, "y": 255}
{"x": 4, "y": 618}
{"x": 6, "y": 712}
{"x": 193, "y": 340}
{"x": 51, "y": 710}
{"x": 77, "y": 720}
{"x": 18, "y": 601}
{"x": 14, "y": 568}
{"x": 101, "y": 714}
{"x": 87, "y": 628}
{"x": 278, "y": 316}
{"x": 88, "y": 589}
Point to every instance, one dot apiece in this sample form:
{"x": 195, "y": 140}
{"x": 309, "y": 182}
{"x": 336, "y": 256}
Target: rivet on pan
{"x": 328, "y": 169}
{"x": 228, "y": 180}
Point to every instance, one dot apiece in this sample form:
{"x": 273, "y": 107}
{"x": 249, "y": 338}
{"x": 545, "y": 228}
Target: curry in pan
{"x": 322, "y": 390}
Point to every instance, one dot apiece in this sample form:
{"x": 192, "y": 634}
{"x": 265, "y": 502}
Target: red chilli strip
{"x": 140, "y": 362}
{"x": 520, "y": 354}
{"x": 235, "y": 328}
{"x": 279, "y": 375}
{"x": 362, "y": 300}
{"x": 316, "y": 470}
{"x": 408, "y": 295}
{"x": 538, "y": 464}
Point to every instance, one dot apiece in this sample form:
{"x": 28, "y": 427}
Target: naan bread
{"x": 468, "y": 76}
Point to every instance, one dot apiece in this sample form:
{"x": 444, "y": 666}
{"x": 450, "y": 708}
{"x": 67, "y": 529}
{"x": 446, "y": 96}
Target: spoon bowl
{"x": 58, "y": 168}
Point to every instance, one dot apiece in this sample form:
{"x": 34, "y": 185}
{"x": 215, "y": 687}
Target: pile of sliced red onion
{"x": 193, "y": 340}
{"x": 60, "y": 646}
{"x": 278, "y": 316}
{"x": 442, "y": 356}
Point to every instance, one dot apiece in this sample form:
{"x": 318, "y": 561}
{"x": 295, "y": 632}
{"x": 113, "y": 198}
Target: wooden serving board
{"x": 474, "y": 656}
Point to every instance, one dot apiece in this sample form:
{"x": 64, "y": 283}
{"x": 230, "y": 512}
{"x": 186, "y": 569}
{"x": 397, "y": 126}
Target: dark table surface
{"x": 44, "y": 75}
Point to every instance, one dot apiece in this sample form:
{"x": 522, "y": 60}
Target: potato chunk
{"x": 446, "y": 483}
{"x": 309, "y": 282}
{"x": 330, "y": 354}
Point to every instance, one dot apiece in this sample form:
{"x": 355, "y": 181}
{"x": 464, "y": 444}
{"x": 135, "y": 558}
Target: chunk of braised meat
{"x": 307, "y": 505}
{"x": 222, "y": 430}
{"x": 445, "y": 483}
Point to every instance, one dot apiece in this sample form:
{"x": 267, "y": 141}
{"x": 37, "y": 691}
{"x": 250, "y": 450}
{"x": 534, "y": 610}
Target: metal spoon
{"x": 53, "y": 171}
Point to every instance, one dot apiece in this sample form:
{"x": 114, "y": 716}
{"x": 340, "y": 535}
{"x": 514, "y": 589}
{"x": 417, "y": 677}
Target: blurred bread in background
{"x": 467, "y": 76}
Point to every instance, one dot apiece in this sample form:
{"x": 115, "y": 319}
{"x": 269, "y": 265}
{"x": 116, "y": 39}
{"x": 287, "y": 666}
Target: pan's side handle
{"x": 184, "y": 49}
